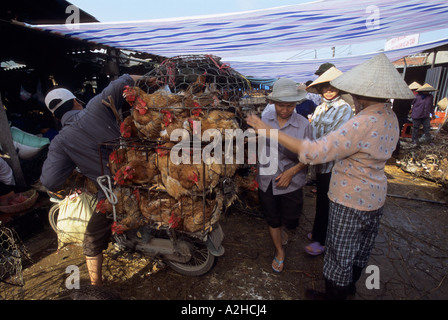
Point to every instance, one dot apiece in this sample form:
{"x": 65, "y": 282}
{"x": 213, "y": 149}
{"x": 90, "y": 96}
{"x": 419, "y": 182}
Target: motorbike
{"x": 187, "y": 253}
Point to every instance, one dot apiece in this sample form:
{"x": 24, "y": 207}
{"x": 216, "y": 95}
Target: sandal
{"x": 279, "y": 263}
{"x": 314, "y": 249}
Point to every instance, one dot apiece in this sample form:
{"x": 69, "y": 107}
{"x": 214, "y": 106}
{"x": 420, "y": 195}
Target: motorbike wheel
{"x": 202, "y": 261}
{"x": 53, "y": 217}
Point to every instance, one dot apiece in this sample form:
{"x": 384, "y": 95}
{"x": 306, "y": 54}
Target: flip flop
{"x": 310, "y": 236}
{"x": 279, "y": 263}
{"x": 314, "y": 249}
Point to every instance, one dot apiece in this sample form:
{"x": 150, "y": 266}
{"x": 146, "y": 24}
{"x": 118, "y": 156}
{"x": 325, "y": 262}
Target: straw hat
{"x": 327, "y": 76}
{"x": 285, "y": 90}
{"x": 442, "y": 104}
{"x": 414, "y": 85}
{"x": 374, "y": 78}
{"x": 426, "y": 88}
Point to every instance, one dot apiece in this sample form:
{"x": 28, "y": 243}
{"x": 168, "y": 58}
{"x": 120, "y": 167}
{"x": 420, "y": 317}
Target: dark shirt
{"x": 422, "y": 106}
{"x": 305, "y": 108}
{"x": 77, "y": 143}
{"x": 402, "y": 107}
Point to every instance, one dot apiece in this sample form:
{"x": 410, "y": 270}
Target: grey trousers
{"x": 416, "y": 123}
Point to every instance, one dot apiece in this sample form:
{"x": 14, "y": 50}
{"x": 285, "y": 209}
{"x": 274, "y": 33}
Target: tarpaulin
{"x": 319, "y": 24}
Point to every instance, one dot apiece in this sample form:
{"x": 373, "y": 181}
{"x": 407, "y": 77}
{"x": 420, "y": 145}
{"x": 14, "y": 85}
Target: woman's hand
{"x": 256, "y": 123}
{"x": 289, "y": 142}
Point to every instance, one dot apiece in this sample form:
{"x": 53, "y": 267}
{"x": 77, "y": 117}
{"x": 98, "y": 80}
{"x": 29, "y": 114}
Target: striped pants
{"x": 350, "y": 238}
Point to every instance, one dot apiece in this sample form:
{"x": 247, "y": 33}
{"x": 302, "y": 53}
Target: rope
{"x": 222, "y": 67}
{"x": 110, "y": 195}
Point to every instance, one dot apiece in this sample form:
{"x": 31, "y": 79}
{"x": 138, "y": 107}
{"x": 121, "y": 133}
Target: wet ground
{"x": 410, "y": 253}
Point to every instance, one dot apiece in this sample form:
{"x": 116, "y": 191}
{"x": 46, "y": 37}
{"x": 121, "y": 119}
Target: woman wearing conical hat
{"x": 358, "y": 186}
{"x": 422, "y": 108}
{"x": 328, "y": 116}
{"x": 414, "y": 86}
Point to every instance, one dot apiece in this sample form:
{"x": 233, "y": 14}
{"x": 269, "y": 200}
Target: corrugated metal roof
{"x": 11, "y": 65}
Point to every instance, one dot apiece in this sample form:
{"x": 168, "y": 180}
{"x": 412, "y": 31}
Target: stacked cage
{"x": 169, "y": 166}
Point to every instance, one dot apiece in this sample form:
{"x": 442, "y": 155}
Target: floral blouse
{"x": 360, "y": 148}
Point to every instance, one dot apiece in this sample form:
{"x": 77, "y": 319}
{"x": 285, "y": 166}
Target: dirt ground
{"x": 411, "y": 254}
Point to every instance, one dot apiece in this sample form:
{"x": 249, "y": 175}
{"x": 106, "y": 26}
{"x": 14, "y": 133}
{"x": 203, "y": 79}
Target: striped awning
{"x": 313, "y": 25}
{"x": 303, "y": 70}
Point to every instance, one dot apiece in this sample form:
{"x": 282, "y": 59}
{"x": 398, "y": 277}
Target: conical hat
{"x": 375, "y": 78}
{"x": 426, "y": 88}
{"x": 442, "y": 104}
{"x": 327, "y": 76}
{"x": 414, "y": 85}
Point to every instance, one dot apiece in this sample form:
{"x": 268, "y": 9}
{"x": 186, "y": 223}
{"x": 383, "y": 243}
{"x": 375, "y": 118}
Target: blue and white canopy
{"x": 234, "y": 37}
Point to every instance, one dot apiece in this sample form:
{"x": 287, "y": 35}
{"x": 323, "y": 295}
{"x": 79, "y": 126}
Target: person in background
{"x": 305, "y": 107}
{"x": 358, "y": 187}
{"x": 401, "y": 107}
{"x": 316, "y": 98}
{"x": 422, "y": 109}
{"x": 76, "y": 146}
{"x": 328, "y": 116}
{"x": 323, "y": 68}
{"x": 280, "y": 190}
{"x": 88, "y": 93}
{"x": 7, "y": 181}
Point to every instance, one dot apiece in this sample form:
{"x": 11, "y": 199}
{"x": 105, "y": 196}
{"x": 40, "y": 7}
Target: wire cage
{"x": 12, "y": 254}
{"x": 196, "y": 74}
{"x": 152, "y": 189}
{"x": 170, "y": 164}
{"x": 183, "y": 90}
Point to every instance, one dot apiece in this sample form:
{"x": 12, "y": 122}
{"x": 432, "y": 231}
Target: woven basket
{"x": 28, "y": 203}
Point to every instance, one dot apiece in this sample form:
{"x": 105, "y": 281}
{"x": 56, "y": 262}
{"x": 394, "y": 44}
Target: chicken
{"x": 172, "y": 122}
{"x": 133, "y": 217}
{"x": 136, "y": 172}
{"x": 128, "y": 128}
{"x": 178, "y": 179}
{"x": 200, "y": 94}
{"x": 248, "y": 181}
{"x": 153, "y": 206}
{"x": 161, "y": 208}
{"x": 208, "y": 176}
{"x": 247, "y": 188}
{"x": 147, "y": 117}
{"x": 150, "y": 124}
{"x": 196, "y": 217}
{"x": 127, "y": 209}
{"x": 215, "y": 119}
{"x": 104, "y": 206}
{"x": 119, "y": 157}
{"x": 143, "y": 101}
